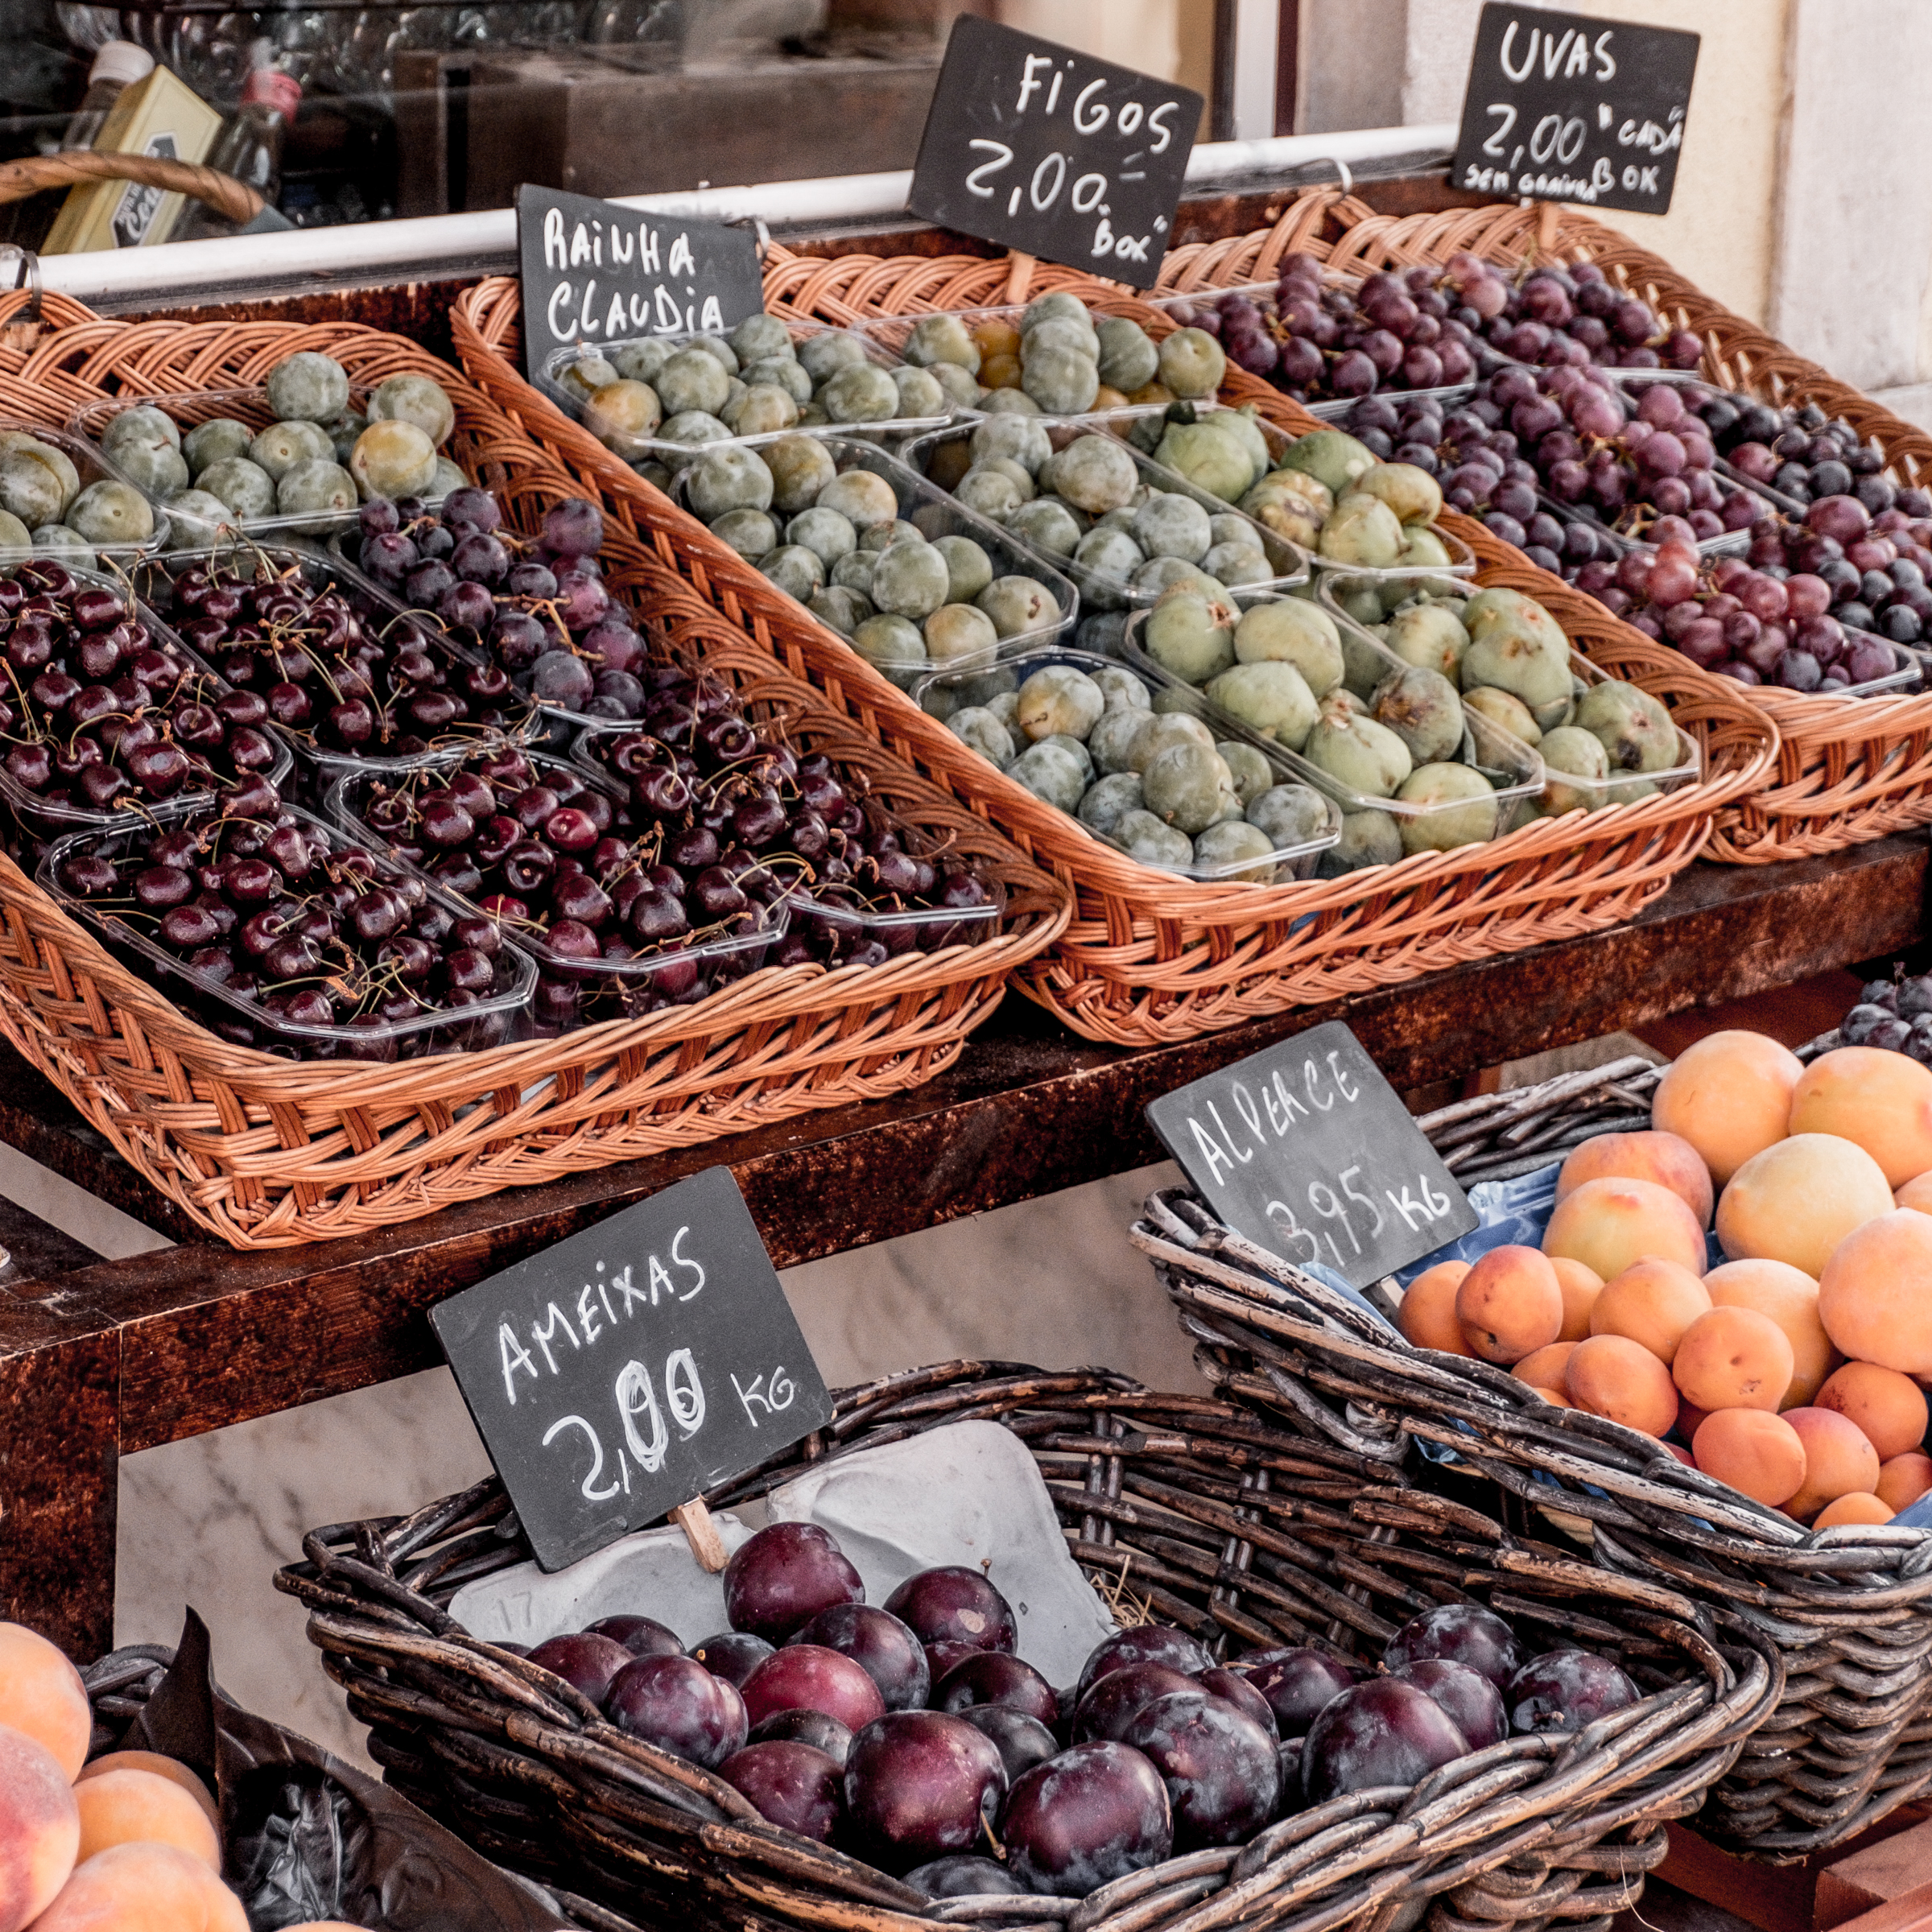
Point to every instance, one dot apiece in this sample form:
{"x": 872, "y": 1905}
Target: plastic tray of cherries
{"x": 281, "y": 934}
{"x": 913, "y": 1736}
{"x": 103, "y": 711}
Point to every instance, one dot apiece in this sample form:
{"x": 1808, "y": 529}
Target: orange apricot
{"x": 1903, "y": 1479}
{"x": 1545, "y": 1367}
{"x": 1795, "y": 1202}
{"x": 1840, "y": 1461}
{"x": 1554, "y": 1398}
{"x": 143, "y": 1887}
{"x": 41, "y": 1692}
{"x": 1753, "y": 1451}
{"x": 1682, "y": 1454}
{"x": 1608, "y": 1224}
{"x": 1859, "y": 1507}
{"x": 1581, "y": 1286}
{"x": 1915, "y": 1194}
{"x": 1734, "y": 1358}
{"x": 1426, "y": 1316}
{"x": 1890, "y": 1408}
{"x": 1789, "y": 1297}
{"x": 170, "y": 1767}
{"x": 136, "y": 1807}
{"x": 1729, "y": 1096}
{"x": 1873, "y": 1294}
{"x": 40, "y": 1828}
{"x": 1653, "y": 1303}
{"x": 1666, "y": 1158}
{"x": 1612, "y": 1376}
{"x": 1880, "y": 1101}
{"x": 1509, "y": 1304}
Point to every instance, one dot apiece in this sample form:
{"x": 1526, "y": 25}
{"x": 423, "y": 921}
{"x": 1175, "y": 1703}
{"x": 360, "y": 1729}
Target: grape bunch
{"x": 295, "y": 939}
{"x": 1879, "y": 568}
{"x": 538, "y": 606}
{"x": 1573, "y": 316}
{"x": 1895, "y": 1014}
{"x": 98, "y": 711}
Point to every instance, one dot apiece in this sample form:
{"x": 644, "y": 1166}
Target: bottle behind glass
{"x": 118, "y": 65}
{"x": 250, "y": 149}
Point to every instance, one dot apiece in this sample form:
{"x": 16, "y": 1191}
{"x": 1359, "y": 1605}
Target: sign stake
{"x": 701, "y": 1532}
{"x": 1019, "y": 276}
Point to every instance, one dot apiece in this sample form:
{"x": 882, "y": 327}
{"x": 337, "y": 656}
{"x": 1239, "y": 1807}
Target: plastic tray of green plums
{"x": 1120, "y": 525}
{"x": 1140, "y": 761}
{"x": 1302, "y": 488}
{"x": 658, "y": 400}
{"x": 852, "y": 532}
{"x": 47, "y": 476}
{"x": 1600, "y": 741}
{"x": 252, "y": 440}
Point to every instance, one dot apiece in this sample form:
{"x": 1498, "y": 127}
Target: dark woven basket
{"x": 1244, "y": 1532}
{"x": 1849, "y": 1609}
{"x": 118, "y": 1686}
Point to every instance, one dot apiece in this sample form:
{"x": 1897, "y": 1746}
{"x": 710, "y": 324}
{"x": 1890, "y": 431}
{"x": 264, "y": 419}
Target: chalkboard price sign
{"x": 1562, "y": 107}
{"x": 615, "y": 1376}
{"x": 593, "y": 271}
{"x": 1039, "y": 148}
{"x": 1306, "y": 1149}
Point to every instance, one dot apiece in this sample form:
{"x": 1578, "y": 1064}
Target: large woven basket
{"x": 1850, "y": 1609}
{"x": 267, "y": 1153}
{"x": 1243, "y": 1532}
{"x": 1152, "y": 958}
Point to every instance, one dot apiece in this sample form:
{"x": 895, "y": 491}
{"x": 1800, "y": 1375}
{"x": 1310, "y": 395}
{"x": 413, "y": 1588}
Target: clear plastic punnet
{"x": 57, "y": 479}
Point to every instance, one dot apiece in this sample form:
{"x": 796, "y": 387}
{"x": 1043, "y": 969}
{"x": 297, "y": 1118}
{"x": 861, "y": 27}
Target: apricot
{"x": 1873, "y": 1293}
{"x": 1789, "y": 1297}
{"x": 1915, "y": 1194}
{"x": 1797, "y": 1201}
{"x": 1734, "y": 1358}
{"x": 1890, "y": 1408}
{"x": 1653, "y": 1303}
{"x": 1608, "y": 1224}
{"x": 1840, "y": 1461}
{"x": 1666, "y": 1158}
{"x": 40, "y": 1828}
{"x": 1581, "y": 1286}
{"x": 136, "y": 1807}
{"x": 1509, "y": 1304}
{"x": 1755, "y": 1451}
{"x": 170, "y": 1767}
{"x": 1554, "y": 1398}
{"x": 1612, "y": 1376}
{"x": 41, "y": 1692}
{"x": 1857, "y": 1508}
{"x": 1544, "y": 1368}
{"x": 1880, "y": 1101}
{"x": 143, "y": 1887}
{"x": 1426, "y": 1316}
{"x": 1682, "y": 1454}
{"x": 1729, "y": 1096}
{"x": 1903, "y": 1479}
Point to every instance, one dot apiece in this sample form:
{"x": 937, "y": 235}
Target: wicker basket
{"x": 1849, "y": 1608}
{"x": 1149, "y": 958}
{"x": 1226, "y": 1525}
{"x": 267, "y": 1153}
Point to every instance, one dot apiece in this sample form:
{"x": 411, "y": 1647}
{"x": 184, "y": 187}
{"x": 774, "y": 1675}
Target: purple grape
{"x": 573, "y": 528}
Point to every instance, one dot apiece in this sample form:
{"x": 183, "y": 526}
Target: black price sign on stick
{"x": 593, "y": 271}
{"x": 1306, "y": 1149}
{"x": 1564, "y": 108}
{"x": 615, "y": 1375}
{"x": 1053, "y": 153}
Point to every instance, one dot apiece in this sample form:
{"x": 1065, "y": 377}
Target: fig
{"x": 1428, "y": 633}
{"x": 1568, "y": 749}
{"x": 1210, "y": 457}
{"x": 1367, "y": 757}
{"x": 1059, "y": 701}
{"x": 1516, "y": 646}
{"x": 1633, "y": 727}
{"x": 1423, "y": 549}
{"x": 1420, "y": 706}
{"x": 1274, "y": 699}
{"x": 1252, "y": 772}
{"x": 1411, "y": 493}
{"x": 1190, "y": 634}
{"x": 1189, "y": 788}
{"x": 1439, "y": 785}
{"x": 1235, "y": 843}
{"x": 1369, "y": 838}
{"x": 1290, "y": 815}
{"x": 1331, "y": 457}
{"x": 1292, "y": 631}
{"x": 1110, "y": 743}
{"x": 1288, "y": 513}
{"x": 1160, "y": 731}
{"x": 1363, "y": 531}
{"x": 1506, "y": 712}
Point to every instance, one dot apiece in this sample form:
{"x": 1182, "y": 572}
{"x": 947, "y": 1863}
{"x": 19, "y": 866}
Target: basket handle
{"x": 235, "y": 200}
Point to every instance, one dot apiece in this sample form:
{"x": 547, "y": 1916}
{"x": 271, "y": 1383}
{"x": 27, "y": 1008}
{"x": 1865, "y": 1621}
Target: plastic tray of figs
{"x": 44, "y": 820}
{"x": 491, "y": 1018}
{"x": 936, "y": 515}
{"x": 575, "y": 394}
{"x": 510, "y": 718}
{"x": 1561, "y": 791}
{"x": 946, "y": 454}
{"x": 195, "y": 528}
{"x": 945, "y": 693}
{"x": 80, "y": 467}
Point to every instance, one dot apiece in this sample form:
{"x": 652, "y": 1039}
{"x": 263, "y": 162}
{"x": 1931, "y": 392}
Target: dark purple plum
{"x": 1221, "y": 1768}
{"x": 1086, "y": 1817}
{"x": 1296, "y": 1685}
{"x": 640, "y": 1636}
{"x": 1288, "y": 1756}
{"x": 793, "y": 1786}
{"x": 1564, "y": 1689}
{"x": 731, "y": 1654}
{"x": 991, "y": 1677}
{"x": 955, "y": 1605}
{"x": 801, "y": 1727}
{"x": 942, "y": 1657}
{"x": 963, "y": 1876}
{"x": 1104, "y": 1710}
{"x": 1144, "y": 1644}
{"x": 784, "y": 1577}
{"x": 676, "y": 1704}
{"x": 808, "y": 1677}
{"x": 1023, "y": 1741}
{"x": 882, "y": 1646}
{"x": 1234, "y": 1689}
{"x": 584, "y": 1660}
{"x": 1382, "y": 1733}
{"x": 1464, "y": 1634}
{"x": 1473, "y": 1704}
{"x": 920, "y": 1785}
